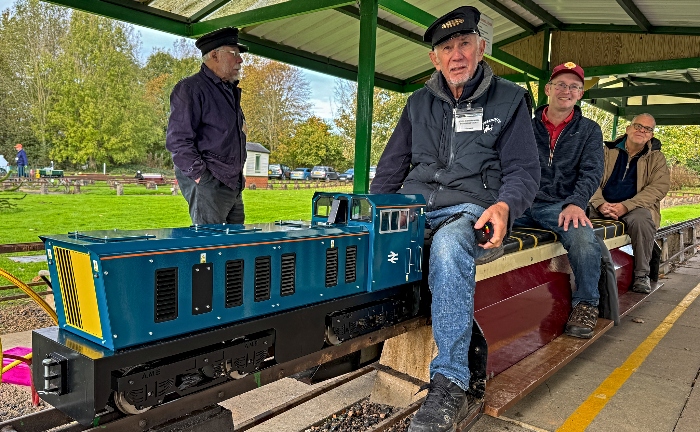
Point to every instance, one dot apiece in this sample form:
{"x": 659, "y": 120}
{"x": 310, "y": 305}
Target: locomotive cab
{"x": 396, "y": 225}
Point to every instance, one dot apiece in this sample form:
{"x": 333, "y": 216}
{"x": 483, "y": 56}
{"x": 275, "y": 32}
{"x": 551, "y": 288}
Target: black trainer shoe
{"x": 582, "y": 321}
{"x": 641, "y": 284}
{"x": 444, "y": 407}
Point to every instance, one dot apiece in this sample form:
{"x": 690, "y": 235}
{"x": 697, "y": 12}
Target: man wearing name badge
{"x": 635, "y": 180}
{"x": 571, "y": 157}
{"x": 207, "y": 132}
{"x": 465, "y": 142}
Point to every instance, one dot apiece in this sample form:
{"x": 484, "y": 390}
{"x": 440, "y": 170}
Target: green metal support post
{"x": 365, "y": 93}
{"x": 616, "y": 119}
{"x": 541, "y": 95}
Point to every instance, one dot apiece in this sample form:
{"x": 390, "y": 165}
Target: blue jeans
{"x": 452, "y": 281}
{"x": 581, "y": 246}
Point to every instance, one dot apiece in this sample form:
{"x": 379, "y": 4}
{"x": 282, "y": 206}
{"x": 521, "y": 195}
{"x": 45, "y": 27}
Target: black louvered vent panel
{"x": 166, "y": 294}
{"x": 234, "y": 283}
{"x": 288, "y": 274}
{"x": 262, "y": 278}
{"x": 69, "y": 289}
{"x": 331, "y": 267}
{"x": 350, "y": 264}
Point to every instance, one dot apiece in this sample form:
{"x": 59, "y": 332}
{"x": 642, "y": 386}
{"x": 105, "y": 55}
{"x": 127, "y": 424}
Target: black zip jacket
{"x": 574, "y": 172}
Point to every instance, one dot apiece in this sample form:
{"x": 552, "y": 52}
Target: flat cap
{"x": 464, "y": 19}
{"x": 219, "y": 38}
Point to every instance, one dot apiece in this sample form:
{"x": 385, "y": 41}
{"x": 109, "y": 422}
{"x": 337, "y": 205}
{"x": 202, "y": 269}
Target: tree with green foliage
{"x": 388, "y": 107}
{"x": 98, "y": 108}
{"x": 30, "y": 35}
{"x": 164, "y": 69}
{"x": 312, "y": 143}
{"x": 275, "y": 99}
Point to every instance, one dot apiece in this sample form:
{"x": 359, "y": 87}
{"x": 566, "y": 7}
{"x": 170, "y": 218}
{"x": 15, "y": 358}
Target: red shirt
{"x": 555, "y": 131}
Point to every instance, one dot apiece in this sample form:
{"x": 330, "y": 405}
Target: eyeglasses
{"x": 236, "y": 54}
{"x": 562, "y": 87}
{"x": 642, "y": 128}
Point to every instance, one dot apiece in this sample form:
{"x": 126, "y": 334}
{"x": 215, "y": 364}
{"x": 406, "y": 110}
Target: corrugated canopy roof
{"x": 607, "y": 37}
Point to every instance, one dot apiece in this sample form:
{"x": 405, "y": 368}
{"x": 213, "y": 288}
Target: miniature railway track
{"x": 52, "y": 418}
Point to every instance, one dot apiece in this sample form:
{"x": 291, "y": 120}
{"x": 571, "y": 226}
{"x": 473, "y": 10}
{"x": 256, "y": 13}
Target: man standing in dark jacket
{"x": 571, "y": 157}
{"x": 21, "y": 160}
{"x": 464, "y": 142}
{"x": 207, "y": 132}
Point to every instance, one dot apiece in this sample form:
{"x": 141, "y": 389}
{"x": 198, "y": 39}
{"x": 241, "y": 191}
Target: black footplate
{"x": 350, "y": 323}
{"x": 144, "y": 386}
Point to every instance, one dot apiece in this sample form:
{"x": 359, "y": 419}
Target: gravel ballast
{"x": 16, "y": 401}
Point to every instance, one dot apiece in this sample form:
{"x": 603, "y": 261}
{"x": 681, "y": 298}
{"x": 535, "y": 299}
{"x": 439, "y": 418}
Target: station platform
{"x": 639, "y": 376}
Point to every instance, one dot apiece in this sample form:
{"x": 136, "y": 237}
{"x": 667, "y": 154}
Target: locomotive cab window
{"x": 361, "y": 210}
{"x": 322, "y": 206}
{"x": 393, "y": 221}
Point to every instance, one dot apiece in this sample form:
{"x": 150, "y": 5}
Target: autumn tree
{"x": 98, "y": 107}
{"x": 388, "y": 107}
{"x": 275, "y": 99}
{"x": 312, "y": 143}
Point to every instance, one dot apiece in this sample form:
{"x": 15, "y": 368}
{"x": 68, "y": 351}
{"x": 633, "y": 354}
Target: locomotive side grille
{"x": 166, "y": 295}
{"x": 331, "y": 267}
{"x": 350, "y": 264}
{"x": 69, "y": 290}
{"x": 288, "y": 273}
{"x": 263, "y": 275}
{"x": 234, "y": 283}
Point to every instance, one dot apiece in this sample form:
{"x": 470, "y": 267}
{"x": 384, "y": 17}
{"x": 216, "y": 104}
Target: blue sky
{"x": 321, "y": 85}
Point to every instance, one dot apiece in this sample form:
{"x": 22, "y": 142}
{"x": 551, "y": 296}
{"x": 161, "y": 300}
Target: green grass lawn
{"x": 100, "y": 208}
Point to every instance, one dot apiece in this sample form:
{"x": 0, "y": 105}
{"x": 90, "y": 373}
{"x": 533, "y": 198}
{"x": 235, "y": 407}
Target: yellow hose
{"x": 40, "y": 301}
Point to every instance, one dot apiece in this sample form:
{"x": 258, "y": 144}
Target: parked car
{"x": 347, "y": 175}
{"x": 300, "y": 174}
{"x": 323, "y": 173}
{"x": 372, "y": 172}
{"x": 4, "y": 166}
{"x": 278, "y": 171}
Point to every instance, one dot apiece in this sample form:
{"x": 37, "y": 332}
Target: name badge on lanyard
{"x": 468, "y": 119}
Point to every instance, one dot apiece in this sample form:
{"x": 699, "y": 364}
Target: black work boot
{"x": 445, "y": 406}
{"x": 582, "y": 321}
{"x": 641, "y": 284}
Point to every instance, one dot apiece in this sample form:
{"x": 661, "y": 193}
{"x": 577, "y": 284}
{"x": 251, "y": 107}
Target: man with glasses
{"x": 465, "y": 143}
{"x": 571, "y": 160}
{"x": 207, "y": 132}
{"x": 635, "y": 180}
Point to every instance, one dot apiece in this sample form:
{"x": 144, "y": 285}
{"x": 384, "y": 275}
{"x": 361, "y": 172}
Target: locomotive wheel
{"x": 125, "y": 406}
{"x": 331, "y": 337}
{"x": 120, "y": 401}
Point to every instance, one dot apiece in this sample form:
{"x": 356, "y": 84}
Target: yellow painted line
{"x": 591, "y": 407}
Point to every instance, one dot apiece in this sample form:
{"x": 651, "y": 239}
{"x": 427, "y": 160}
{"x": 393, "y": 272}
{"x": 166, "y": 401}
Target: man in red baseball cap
{"x": 21, "y": 160}
{"x": 570, "y": 147}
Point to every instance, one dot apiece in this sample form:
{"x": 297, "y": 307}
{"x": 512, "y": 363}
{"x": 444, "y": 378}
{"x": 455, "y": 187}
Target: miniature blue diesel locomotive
{"x": 168, "y": 299}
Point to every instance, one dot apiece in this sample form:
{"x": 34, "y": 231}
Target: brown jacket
{"x": 653, "y": 178}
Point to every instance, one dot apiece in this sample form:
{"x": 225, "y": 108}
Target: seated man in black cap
{"x": 465, "y": 142}
{"x": 207, "y": 132}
